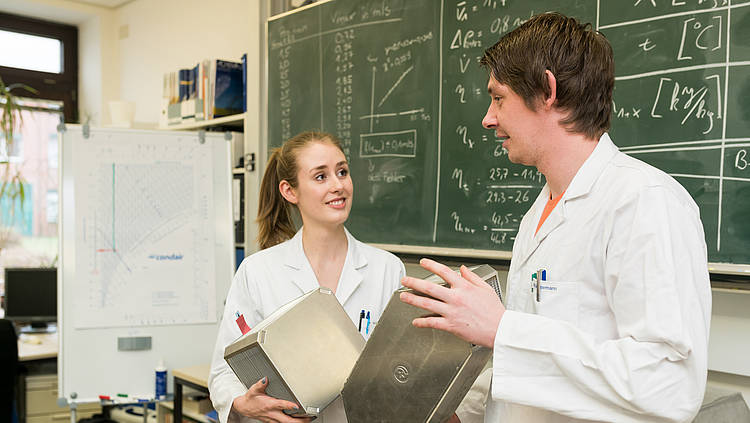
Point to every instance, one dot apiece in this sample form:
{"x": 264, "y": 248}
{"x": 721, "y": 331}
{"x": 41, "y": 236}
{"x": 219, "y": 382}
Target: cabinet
{"x": 41, "y": 402}
{"x": 165, "y": 414}
{"x": 196, "y": 378}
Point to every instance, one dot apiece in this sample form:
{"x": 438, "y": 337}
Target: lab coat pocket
{"x": 558, "y": 300}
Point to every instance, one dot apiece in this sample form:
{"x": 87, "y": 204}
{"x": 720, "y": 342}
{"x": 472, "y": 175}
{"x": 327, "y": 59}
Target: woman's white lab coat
{"x": 272, "y": 277}
{"x": 619, "y": 331}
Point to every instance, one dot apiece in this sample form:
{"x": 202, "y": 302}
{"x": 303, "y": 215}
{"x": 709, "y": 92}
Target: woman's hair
{"x": 275, "y": 223}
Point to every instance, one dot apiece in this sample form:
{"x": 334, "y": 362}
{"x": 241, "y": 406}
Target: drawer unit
{"x": 41, "y": 402}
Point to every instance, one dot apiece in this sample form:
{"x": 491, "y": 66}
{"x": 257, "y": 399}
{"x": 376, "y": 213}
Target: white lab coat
{"x": 272, "y": 277}
{"x": 620, "y": 333}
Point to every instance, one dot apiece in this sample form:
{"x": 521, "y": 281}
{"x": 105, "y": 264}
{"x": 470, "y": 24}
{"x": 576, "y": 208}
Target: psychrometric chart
{"x": 144, "y": 233}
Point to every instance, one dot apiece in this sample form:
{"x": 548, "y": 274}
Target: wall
{"x": 124, "y": 52}
{"x": 159, "y": 36}
{"x": 97, "y": 53}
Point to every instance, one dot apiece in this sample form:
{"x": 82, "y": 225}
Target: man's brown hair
{"x": 579, "y": 58}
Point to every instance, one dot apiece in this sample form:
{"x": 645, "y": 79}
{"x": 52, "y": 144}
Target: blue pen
{"x": 367, "y": 328}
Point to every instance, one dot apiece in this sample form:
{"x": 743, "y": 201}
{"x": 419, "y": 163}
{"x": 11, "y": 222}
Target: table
{"x": 37, "y": 346}
{"x": 37, "y": 354}
{"x": 195, "y": 377}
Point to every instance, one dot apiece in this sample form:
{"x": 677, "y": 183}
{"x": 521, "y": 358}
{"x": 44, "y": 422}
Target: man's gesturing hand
{"x": 469, "y": 309}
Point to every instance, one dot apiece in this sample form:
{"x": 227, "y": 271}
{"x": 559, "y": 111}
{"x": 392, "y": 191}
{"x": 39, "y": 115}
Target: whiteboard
{"x": 146, "y": 251}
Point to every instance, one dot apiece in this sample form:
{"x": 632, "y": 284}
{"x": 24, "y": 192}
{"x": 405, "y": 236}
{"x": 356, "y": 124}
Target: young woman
{"x": 310, "y": 173}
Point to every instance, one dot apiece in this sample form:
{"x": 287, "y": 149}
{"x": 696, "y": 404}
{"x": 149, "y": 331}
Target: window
{"x": 15, "y": 48}
{"x": 52, "y": 69}
{"x": 29, "y": 221}
{"x": 52, "y": 200}
{"x": 52, "y": 151}
{"x": 16, "y": 153}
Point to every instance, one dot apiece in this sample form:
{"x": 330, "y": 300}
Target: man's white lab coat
{"x": 619, "y": 332}
{"x": 275, "y": 276}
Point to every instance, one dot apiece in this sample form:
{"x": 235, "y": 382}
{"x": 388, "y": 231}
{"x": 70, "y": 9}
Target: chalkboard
{"x": 146, "y": 251}
{"x": 398, "y": 81}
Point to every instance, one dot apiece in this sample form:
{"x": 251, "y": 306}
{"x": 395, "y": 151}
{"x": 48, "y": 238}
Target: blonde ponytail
{"x": 275, "y": 223}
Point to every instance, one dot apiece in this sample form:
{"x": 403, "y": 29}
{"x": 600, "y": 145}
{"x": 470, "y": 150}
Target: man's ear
{"x": 287, "y": 191}
{"x": 552, "y": 83}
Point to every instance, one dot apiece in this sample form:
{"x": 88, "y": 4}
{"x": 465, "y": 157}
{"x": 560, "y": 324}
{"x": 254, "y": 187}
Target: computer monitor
{"x": 31, "y": 295}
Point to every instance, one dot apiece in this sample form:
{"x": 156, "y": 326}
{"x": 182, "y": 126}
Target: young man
{"x": 608, "y": 296}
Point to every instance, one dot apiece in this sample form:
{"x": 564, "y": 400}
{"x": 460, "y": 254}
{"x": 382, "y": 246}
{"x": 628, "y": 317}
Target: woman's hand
{"x": 257, "y": 405}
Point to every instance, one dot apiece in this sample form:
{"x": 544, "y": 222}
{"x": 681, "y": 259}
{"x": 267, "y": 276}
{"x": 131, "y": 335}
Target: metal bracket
{"x": 61, "y": 126}
{"x": 228, "y": 136}
{"x": 202, "y": 136}
{"x": 86, "y": 131}
{"x": 250, "y": 162}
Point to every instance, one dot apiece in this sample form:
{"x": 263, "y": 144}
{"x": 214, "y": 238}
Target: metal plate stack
{"x": 413, "y": 374}
{"x": 309, "y": 371}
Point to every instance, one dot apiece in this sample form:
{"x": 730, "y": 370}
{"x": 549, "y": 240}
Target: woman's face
{"x": 324, "y": 190}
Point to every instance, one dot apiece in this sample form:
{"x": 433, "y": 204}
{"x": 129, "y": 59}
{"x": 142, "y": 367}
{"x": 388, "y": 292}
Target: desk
{"x": 195, "y": 377}
{"x": 37, "y": 346}
{"x": 37, "y": 355}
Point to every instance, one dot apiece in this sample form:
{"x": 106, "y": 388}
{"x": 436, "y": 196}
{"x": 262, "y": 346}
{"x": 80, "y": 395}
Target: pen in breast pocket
{"x": 361, "y": 316}
{"x": 541, "y": 276}
{"x": 367, "y": 328}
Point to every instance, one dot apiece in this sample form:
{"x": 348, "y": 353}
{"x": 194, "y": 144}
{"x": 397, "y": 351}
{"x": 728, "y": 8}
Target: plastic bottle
{"x": 161, "y": 381}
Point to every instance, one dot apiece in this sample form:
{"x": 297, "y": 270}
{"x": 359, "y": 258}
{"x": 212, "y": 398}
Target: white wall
{"x": 124, "y": 52}
{"x": 97, "y": 53}
{"x": 166, "y": 35}
{"x": 729, "y": 343}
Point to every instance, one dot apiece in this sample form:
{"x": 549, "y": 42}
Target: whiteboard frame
{"x": 426, "y": 250}
{"x": 444, "y": 251}
{"x": 89, "y": 364}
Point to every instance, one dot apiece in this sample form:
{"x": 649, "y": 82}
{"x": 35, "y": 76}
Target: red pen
{"x": 244, "y": 328}
{"x": 104, "y": 397}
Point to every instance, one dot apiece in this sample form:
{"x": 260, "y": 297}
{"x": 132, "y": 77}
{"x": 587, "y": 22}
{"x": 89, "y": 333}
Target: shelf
{"x": 231, "y": 120}
{"x": 169, "y": 405}
{"x": 238, "y": 170}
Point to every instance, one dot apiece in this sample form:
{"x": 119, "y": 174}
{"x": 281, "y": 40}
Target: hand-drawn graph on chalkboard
{"x": 361, "y": 69}
{"x": 380, "y": 74}
{"x": 143, "y": 214}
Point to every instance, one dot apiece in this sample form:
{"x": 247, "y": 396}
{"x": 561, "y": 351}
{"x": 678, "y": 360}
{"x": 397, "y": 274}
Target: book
{"x": 184, "y": 76}
{"x": 210, "y": 89}
{"x": 228, "y": 87}
{"x": 212, "y": 416}
{"x": 238, "y": 207}
{"x": 244, "y": 82}
{"x": 193, "y": 87}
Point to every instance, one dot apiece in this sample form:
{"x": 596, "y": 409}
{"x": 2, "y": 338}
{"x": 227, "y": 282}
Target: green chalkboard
{"x": 398, "y": 81}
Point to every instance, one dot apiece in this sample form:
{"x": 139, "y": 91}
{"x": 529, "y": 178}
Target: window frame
{"x": 51, "y": 86}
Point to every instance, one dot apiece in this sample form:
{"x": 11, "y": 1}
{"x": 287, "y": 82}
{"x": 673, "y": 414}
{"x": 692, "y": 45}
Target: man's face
{"x": 513, "y": 121}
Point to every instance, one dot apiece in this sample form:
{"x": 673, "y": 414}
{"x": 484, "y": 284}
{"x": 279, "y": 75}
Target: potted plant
{"x": 11, "y": 180}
